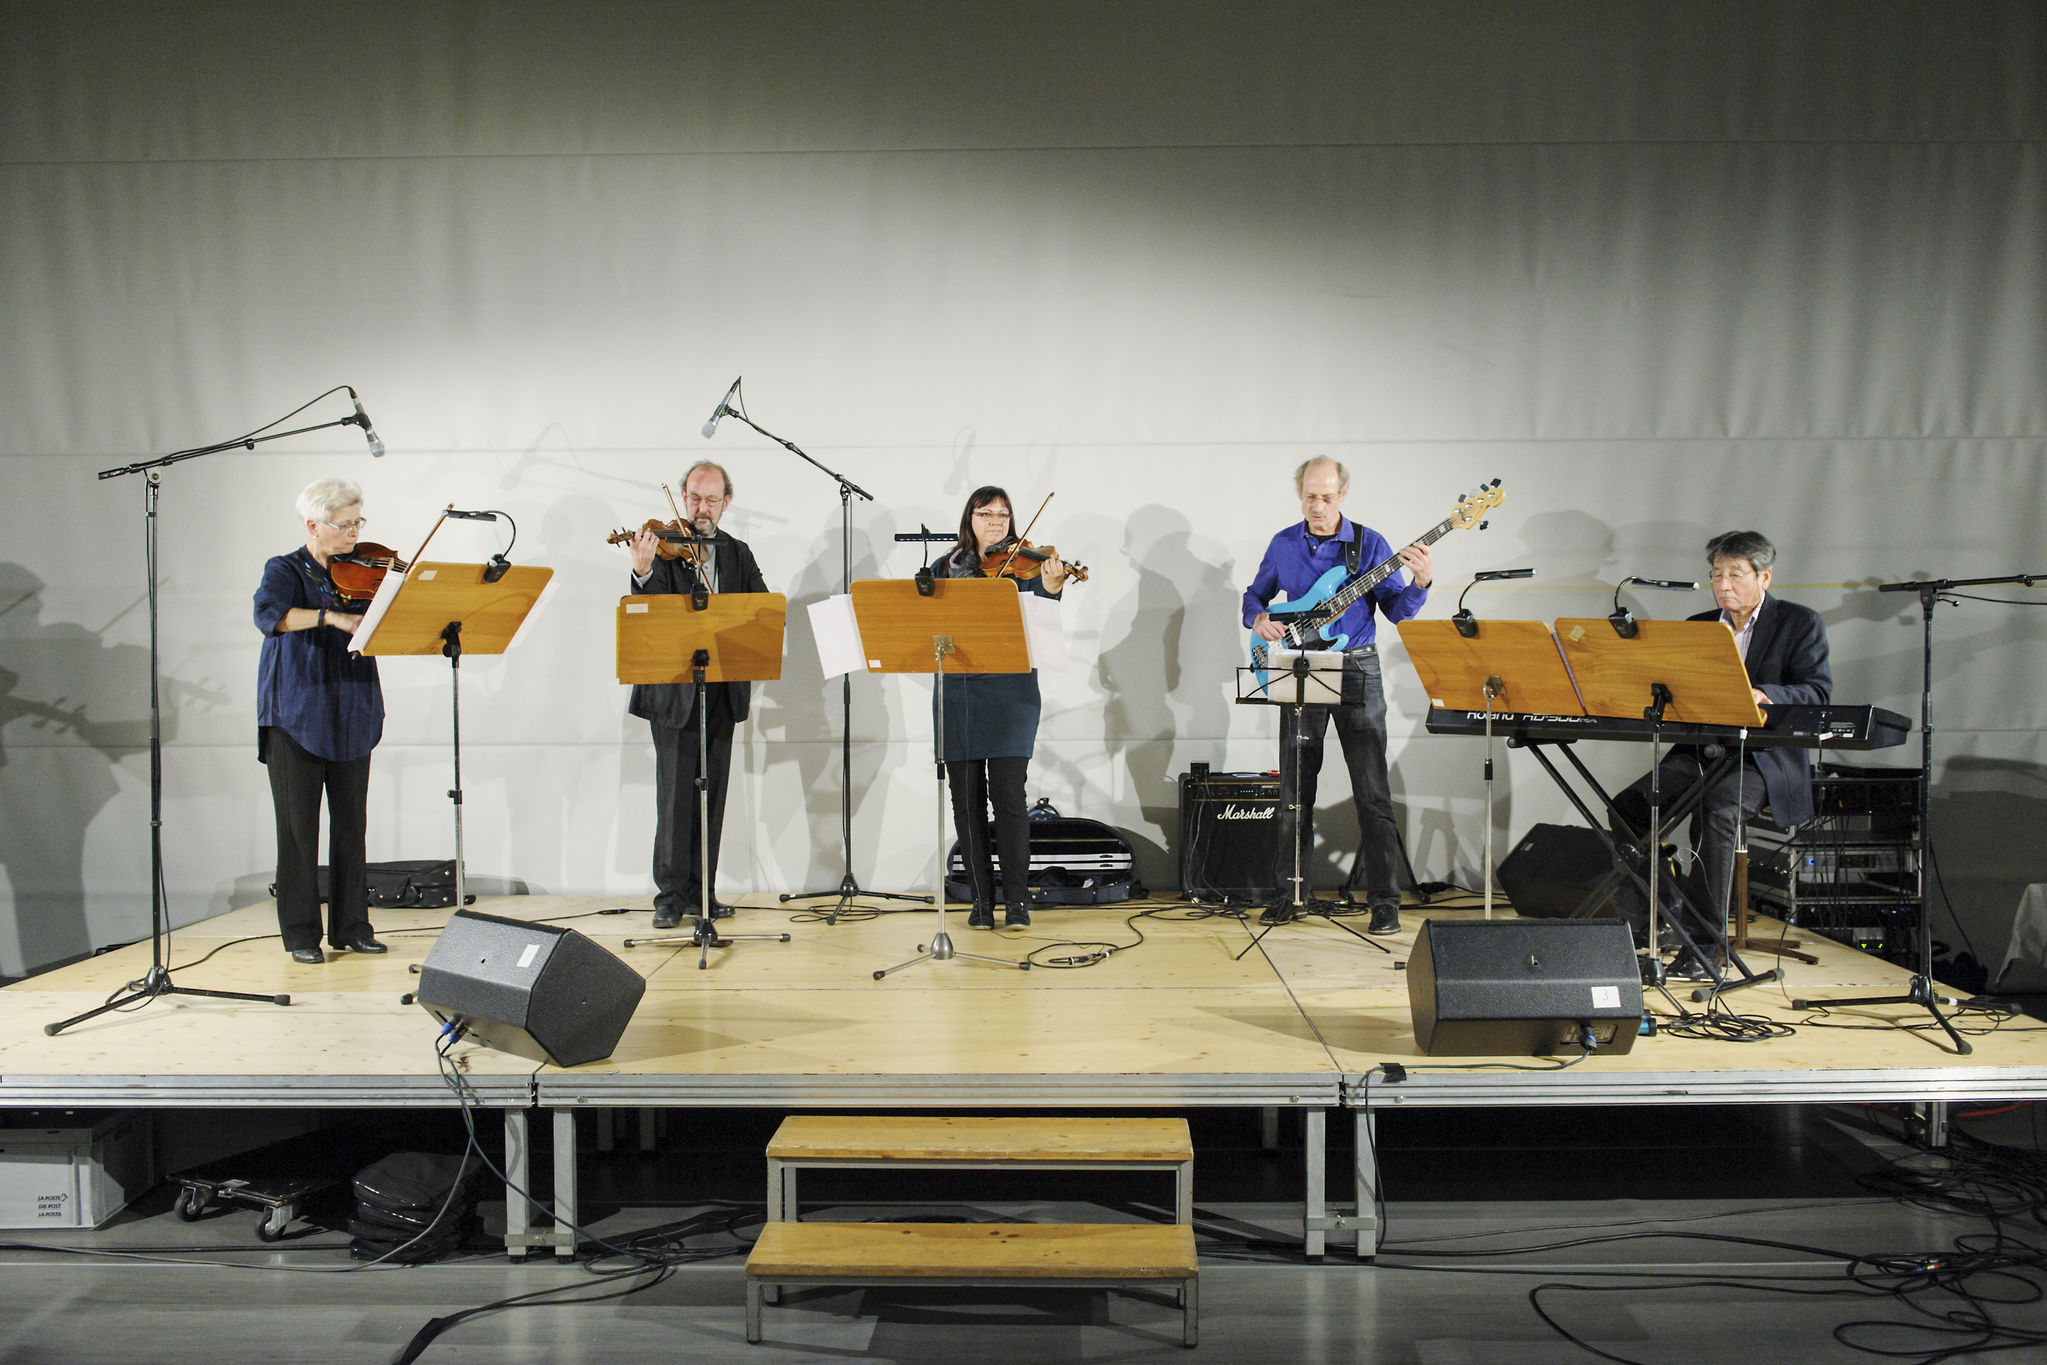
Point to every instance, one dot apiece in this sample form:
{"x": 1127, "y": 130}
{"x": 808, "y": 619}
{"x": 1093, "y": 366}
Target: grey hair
{"x": 1342, "y": 474}
{"x": 1753, "y": 546}
{"x": 708, "y": 464}
{"x": 323, "y": 499}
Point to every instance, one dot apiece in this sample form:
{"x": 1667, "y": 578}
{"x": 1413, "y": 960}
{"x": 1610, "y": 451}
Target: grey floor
{"x": 1651, "y": 1234}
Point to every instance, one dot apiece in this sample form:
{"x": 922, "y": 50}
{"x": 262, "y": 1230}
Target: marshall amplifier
{"x": 1229, "y": 834}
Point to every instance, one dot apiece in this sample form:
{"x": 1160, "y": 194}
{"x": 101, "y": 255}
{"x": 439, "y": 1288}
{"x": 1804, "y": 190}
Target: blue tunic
{"x": 307, "y": 683}
{"x": 988, "y": 715}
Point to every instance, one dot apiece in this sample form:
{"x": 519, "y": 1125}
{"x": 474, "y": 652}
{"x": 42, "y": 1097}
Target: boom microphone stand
{"x": 157, "y": 981}
{"x": 848, "y": 888}
{"x": 1919, "y": 991}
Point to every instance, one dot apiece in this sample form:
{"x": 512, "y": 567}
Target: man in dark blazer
{"x": 669, "y": 708}
{"x": 1784, "y": 647}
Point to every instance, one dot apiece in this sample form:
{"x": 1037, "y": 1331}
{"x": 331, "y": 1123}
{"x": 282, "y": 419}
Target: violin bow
{"x": 1022, "y": 536}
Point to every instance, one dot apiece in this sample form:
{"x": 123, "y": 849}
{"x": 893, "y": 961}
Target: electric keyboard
{"x": 1785, "y": 727}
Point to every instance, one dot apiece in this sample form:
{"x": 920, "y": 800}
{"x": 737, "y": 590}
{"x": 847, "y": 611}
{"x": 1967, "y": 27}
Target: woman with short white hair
{"x": 319, "y": 712}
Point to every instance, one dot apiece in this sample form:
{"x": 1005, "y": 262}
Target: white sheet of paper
{"x": 837, "y": 634}
{"x": 381, "y": 603}
{"x": 1044, "y": 633}
{"x": 539, "y": 605}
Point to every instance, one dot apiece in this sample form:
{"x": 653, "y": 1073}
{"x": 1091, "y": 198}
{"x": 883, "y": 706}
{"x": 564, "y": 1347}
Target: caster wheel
{"x": 190, "y": 1205}
{"x": 271, "y": 1229}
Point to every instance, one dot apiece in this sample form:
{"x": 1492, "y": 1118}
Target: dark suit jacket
{"x": 670, "y": 704}
{"x": 1787, "y": 660}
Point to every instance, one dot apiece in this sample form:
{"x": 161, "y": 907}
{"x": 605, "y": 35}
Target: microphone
{"x": 1670, "y": 584}
{"x": 1494, "y": 575}
{"x": 469, "y": 516}
{"x": 362, "y": 419}
{"x": 716, "y": 412}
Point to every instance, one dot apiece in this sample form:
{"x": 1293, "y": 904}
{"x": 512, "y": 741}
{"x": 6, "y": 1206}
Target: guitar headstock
{"x": 1471, "y": 510}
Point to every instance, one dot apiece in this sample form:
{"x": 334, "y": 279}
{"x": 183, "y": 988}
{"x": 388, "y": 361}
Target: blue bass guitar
{"x": 1307, "y": 617}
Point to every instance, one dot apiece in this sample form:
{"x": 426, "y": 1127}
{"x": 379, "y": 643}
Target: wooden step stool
{"x": 1078, "y": 1254}
{"x": 1081, "y": 1255}
{"x": 939, "y": 1142}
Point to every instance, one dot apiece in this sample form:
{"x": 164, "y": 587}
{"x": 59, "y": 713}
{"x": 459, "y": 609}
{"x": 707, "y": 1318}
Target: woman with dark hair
{"x": 991, "y": 727}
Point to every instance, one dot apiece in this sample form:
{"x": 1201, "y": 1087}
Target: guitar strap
{"x": 1354, "y": 553}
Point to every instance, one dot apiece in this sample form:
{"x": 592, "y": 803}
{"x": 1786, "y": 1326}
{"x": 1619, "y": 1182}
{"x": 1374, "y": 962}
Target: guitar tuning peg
{"x": 1482, "y": 525}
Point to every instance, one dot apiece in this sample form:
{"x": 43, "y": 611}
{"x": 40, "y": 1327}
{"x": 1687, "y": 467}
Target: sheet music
{"x": 381, "y": 603}
{"x": 1044, "y": 633}
{"x": 836, "y": 632}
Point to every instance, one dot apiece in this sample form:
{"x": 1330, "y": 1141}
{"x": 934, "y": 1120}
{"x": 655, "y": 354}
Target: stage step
{"x": 936, "y": 1142}
{"x": 1092, "y": 1255}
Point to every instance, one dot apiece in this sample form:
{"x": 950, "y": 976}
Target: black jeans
{"x": 677, "y": 886}
{"x": 297, "y": 780}
{"x": 975, "y": 783}
{"x": 1737, "y": 790}
{"x": 1361, "y": 728}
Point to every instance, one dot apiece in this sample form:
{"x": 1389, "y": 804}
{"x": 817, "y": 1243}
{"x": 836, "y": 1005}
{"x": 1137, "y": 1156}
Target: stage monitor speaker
{"x": 531, "y": 989}
{"x": 1229, "y": 833}
{"x": 1500, "y": 988}
{"x": 1561, "y": 872}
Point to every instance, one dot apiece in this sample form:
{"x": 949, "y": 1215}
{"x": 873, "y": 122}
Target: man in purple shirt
{"x": 1294, "y": 560}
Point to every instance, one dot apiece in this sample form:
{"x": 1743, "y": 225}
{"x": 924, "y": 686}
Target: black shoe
{"x": 720, "y": 910}
{"x": 1016, "y": 917}
{"x": 365, "y": 944}
{"x": 981, "y": 917}
{"x": 1689, "y": 966}
{"x": 1277, "y": 914}
{"x": 1385, "y": 920}
{"x": 667, "y": 919}
{"x": 312, "y": 957}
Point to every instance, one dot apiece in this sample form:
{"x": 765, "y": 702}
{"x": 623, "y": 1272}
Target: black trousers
{"x": 1738, "y": 791}
{"x": 1361, "y": 728}
{"x": 975, "y": 784}
{"x": 297, "y": 780}
{"x": 677, "y": 888}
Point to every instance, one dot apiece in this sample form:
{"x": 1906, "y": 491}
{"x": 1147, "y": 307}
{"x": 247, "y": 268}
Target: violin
{"x": 1018, "y": 558}
{"x": 679, "y": 539}
{"x": 358, "y": 573}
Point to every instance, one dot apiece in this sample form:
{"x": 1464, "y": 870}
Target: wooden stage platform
{"x": 1187, "y": 1018}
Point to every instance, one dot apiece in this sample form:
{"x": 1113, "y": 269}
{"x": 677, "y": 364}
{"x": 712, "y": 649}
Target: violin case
{"x": 1073, "y": 862}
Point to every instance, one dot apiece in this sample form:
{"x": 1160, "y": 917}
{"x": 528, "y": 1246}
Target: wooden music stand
{"x": 965, "y": 625}
{"x": 700, "y": 639}
{"x": 1696, "y": 662}
{"x": 1685, "y": 671}
{"x": 1502, "y": 667}
{"x": 451, "y": 610}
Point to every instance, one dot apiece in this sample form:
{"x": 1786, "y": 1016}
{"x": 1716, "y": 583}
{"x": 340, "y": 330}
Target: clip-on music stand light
{"x": 965, "y": 625}
{"x": 1501, "y": 668}
{"x": 701, "y": 639}
{"x": 1687, "y": 672}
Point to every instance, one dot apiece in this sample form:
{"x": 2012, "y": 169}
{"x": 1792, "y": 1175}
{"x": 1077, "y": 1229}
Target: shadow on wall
{"x": 1987, "y": 816}
{"x": 1170, "y": 676}
{"x": 71, "y": 707}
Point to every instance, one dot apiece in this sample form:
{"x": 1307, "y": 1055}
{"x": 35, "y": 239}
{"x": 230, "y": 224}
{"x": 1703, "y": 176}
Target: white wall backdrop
{"x": 1664, "y": 269}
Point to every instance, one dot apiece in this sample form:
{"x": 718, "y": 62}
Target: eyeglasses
{"x": 700, "y": 500}
{"x": 1317, "y": 499}
{"x": 347, "y": 526}
{"x": 1732, "y": 575}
